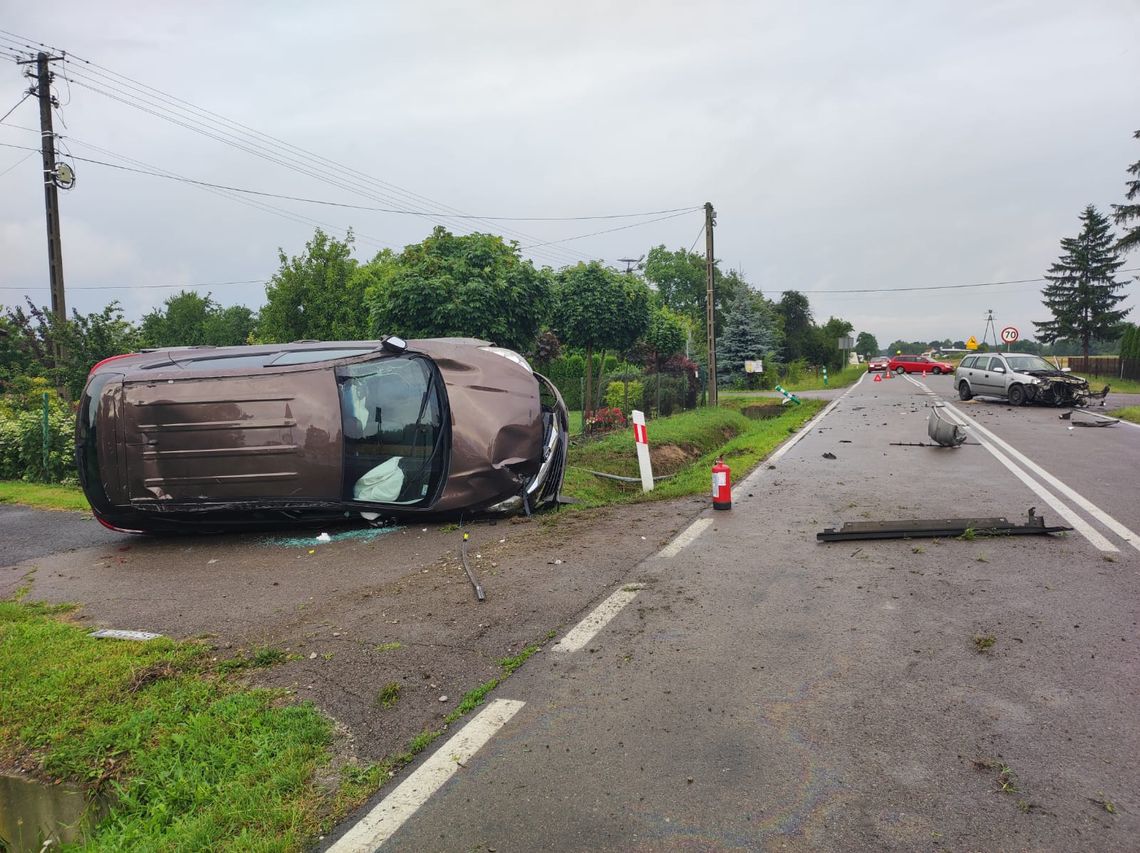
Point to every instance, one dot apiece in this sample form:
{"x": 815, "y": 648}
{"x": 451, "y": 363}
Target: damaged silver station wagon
{"x": 1019, "y": 378}
{"x": 205, "y": 438}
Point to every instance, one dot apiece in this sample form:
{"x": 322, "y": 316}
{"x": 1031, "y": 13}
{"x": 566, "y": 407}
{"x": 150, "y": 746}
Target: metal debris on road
{"x": 946, "y": 432}
{"x": 1088, "y": 419}
{"x": 936, "y": 528}
{"x": 470, "y": 574}
{"x": 830, "y": 456}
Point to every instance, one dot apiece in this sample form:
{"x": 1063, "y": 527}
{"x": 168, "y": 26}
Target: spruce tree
{"x": 1082, "y": 292}
{"x": 1125, "y": 213}
{"x": 746, "y": 337}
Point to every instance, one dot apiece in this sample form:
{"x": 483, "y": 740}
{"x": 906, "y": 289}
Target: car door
{"x": 989, "y": 378}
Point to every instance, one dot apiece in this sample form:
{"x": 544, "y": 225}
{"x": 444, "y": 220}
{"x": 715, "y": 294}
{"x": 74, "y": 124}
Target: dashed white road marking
{"x": 685, "y": 537}
{"x": 584, "y": 631}
{"x": 993, "y": 442}
{"x": 390, "y": 813}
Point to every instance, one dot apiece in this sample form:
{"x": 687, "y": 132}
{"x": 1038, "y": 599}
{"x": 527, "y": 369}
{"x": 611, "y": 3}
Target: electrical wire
{"x": 611, "y": 230}
{"x": 18, "y": 162}
{"x": 217, "y": 119}
{"x": 284, "y": 159}
{"x": 145, "y": 286}
{"x": 26, "y": 96}
{"x": 96, "y": 73}
{"x": 698, "y": 237}
{"x": 328, "y": 203}
{"x": 943, "y": 286}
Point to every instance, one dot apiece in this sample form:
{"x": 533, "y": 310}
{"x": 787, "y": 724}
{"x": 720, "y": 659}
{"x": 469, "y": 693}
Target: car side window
{"x": 969, "y": 361}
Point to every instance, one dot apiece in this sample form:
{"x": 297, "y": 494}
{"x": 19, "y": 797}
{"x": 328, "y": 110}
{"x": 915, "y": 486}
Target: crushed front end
{"x": 1057, "y": 388}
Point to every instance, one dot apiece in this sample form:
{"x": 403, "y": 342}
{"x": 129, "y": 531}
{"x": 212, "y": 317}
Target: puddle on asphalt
{"x": 32, "y": 813}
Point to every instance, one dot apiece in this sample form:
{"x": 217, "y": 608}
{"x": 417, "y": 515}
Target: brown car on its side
{"x": 213, "y": 438}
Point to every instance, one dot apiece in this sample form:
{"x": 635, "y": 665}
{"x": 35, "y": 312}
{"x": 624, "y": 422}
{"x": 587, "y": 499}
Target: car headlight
{"x": 510, "y": 354}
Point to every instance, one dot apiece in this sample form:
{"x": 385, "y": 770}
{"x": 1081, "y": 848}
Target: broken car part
{"x": 1089, "y": 419}
{"x": 944, "y": 431}
{"x": 932, "y": 528}
{"x": 478, "y": 587}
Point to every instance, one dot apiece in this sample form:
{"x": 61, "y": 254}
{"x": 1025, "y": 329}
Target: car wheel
{"x": 900, "y": 370}
{"x": 1016, "y": 395}
{"x": 937, "y": 371}
{"x": 964, "y": 392}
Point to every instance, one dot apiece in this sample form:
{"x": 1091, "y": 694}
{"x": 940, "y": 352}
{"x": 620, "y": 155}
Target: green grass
{"x": 192, "y": 761}
{"x": 1118, "y": 385}
{"x": 704, "y": 434}
{"x": 43, "y": 496}
{"x": 838, "y": 379}
{"x": 1129, "y": 413}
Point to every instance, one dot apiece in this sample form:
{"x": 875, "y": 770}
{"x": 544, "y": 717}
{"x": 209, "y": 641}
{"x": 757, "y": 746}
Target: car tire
{"x": 964, "y": 392}
{"x": 900, "y": 370}
{"x": 1016, "y": 395}
{"x": 937, "y": 371}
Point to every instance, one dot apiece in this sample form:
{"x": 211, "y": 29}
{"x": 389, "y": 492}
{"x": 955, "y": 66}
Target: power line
{"x": 698, "y": 237}
{"x": 27, "y": 95}
{"x": 18, "y": 162}
{"x": 148, "y": 286}
{"x": 328, "y": 203}
{"x": 273, "y": 153}
{"x": 942, "y": 286}
{"x": 610, "y": 230}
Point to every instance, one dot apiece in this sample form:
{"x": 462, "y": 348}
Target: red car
{"x": 879, "y": 362}
{"x": 918, "y": 364}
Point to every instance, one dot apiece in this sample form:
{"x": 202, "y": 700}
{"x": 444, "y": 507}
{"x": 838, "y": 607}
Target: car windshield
{"x": 392, "y": 412}
{"x": 1027, "y": 363}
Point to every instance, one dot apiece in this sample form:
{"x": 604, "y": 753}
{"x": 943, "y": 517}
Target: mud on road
{"x": 371, "y": 608}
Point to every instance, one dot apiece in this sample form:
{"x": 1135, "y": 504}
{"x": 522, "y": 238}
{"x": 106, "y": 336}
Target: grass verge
{"x": 190, "y": 760}
{"x": 838, "y": 379}
{"x": 1118, "y": 385}
{"x": 43, "y": 495}
{"x": 698, "y": 436}
{"x": 1129, "y": 413}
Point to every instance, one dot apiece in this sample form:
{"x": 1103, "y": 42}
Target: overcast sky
{"x": 844, "y": 145}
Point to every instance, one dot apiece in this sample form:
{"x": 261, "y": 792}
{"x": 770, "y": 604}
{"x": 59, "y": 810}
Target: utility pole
{"x": 710, "y": 304}
{"x": 51, "y": 193}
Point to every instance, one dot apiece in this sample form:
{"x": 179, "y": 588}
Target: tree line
{"x": 473, "y": 285}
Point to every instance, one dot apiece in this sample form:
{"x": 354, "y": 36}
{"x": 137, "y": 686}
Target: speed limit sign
{"x": 1009, "y": 334}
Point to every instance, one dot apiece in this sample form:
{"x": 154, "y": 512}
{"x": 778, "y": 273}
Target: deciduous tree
{"x": 866, "y": 345}
{"x": 473, "y": 285}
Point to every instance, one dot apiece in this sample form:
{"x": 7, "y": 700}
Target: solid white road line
{"x": 389, "y": 814}
{"x": 584, "y": 631}
{"x": 1080, "y": 500}
{"x": 1079, "y": 524}
{"x": 685, "y": 537}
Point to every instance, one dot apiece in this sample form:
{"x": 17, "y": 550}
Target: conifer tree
{"x": 1082, "y": 291}
{"x": 1125, "y": 213}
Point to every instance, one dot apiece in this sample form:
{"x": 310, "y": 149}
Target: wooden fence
{"x": 1105, "y": 366}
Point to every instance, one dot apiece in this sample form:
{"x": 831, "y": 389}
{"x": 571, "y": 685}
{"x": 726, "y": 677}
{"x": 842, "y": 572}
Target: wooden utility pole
{"x": 710, "y": 303}
{"x": 51, "y": 193}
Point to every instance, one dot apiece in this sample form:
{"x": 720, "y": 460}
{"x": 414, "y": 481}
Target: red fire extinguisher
{"x": 721, "y": 485}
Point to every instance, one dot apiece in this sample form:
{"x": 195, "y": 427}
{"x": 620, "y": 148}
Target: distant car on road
{"x": 210, "y": 438}
{"x": 879, "y": 362}
{"x": 918, "y": 364}
{"x": 1020, "y": 378}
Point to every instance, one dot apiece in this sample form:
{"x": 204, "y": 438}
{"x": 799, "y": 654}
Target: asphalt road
{"x": 765, "y": 691}
{"x": 29, "y": 533}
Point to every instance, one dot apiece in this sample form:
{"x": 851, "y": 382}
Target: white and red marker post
{"x": 641, "y": 437}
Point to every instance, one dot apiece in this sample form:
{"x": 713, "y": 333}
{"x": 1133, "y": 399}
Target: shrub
{"x": 625, "y": 395}
{"x": 606, "y": 419}
{"x": 22, "y": 438}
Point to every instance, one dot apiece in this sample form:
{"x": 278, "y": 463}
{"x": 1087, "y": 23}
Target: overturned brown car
{"x": 214, "y": 438}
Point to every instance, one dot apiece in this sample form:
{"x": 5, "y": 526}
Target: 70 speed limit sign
{"x": 1009, "y": 334}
